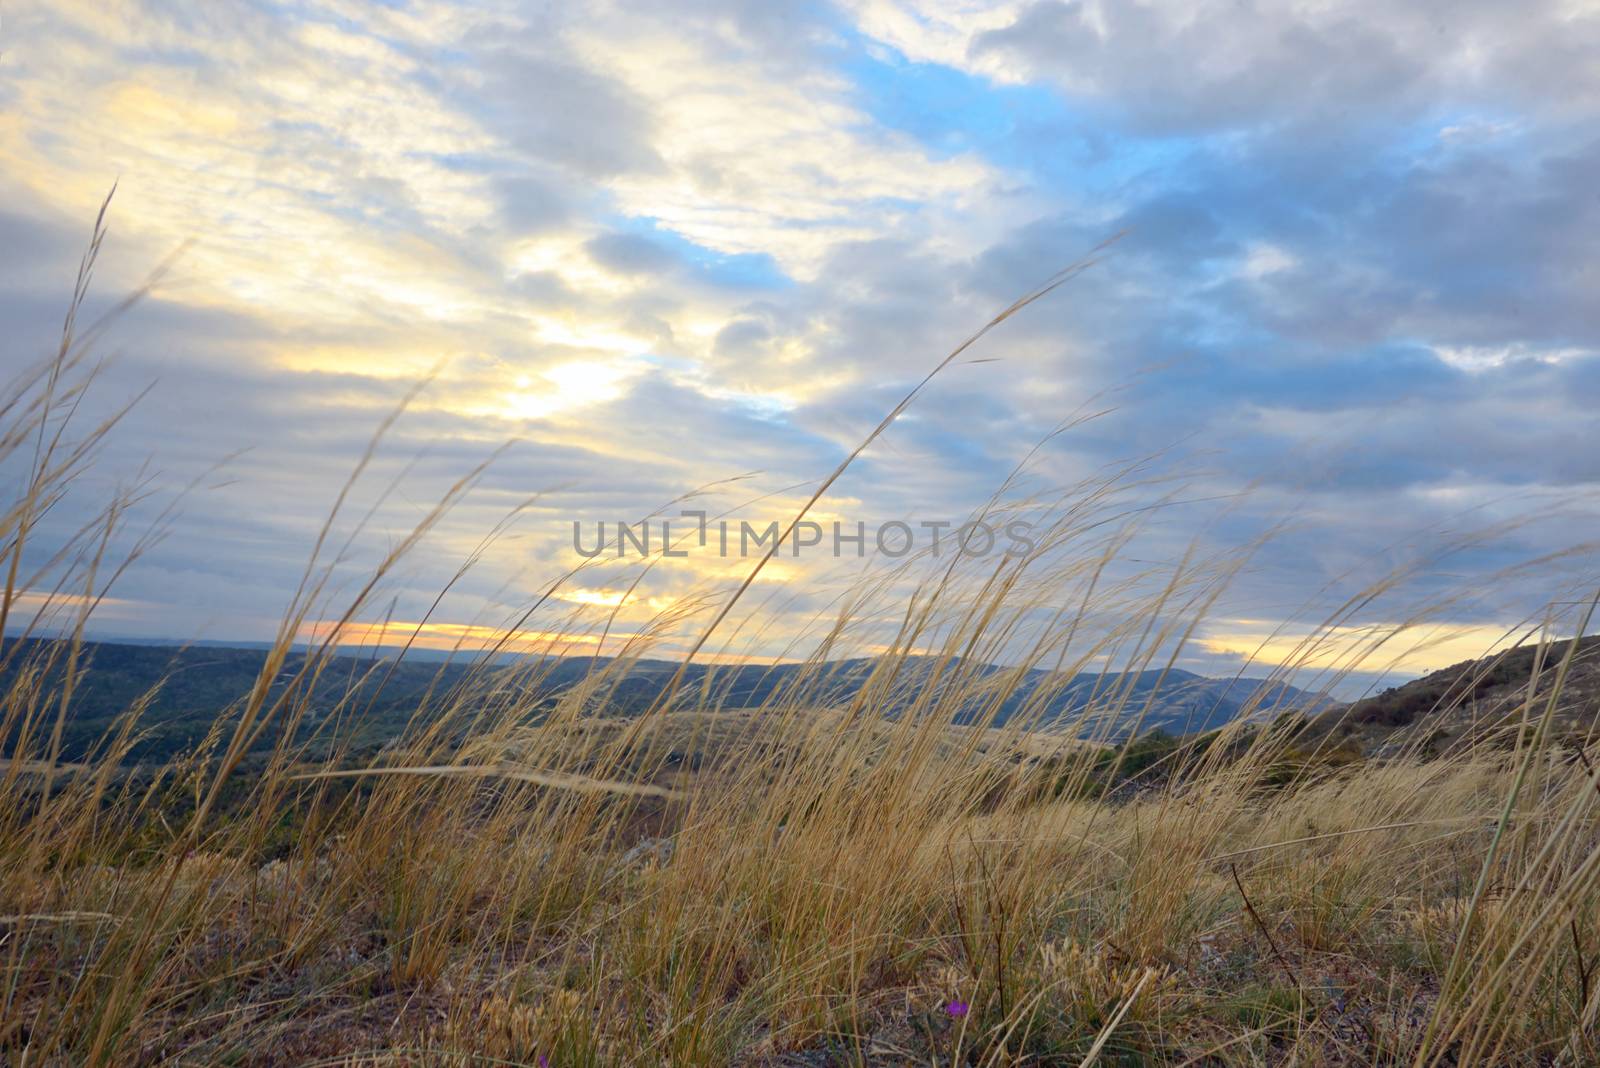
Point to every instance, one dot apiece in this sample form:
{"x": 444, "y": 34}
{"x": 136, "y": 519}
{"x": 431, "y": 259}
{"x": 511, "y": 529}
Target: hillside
{"x": 1474, "y": 701}
{"x": 193, "y": 684}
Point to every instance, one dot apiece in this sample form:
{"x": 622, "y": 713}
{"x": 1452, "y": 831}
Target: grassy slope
{"x": 812, "y": 890}
{"x": 1477, "y": 702}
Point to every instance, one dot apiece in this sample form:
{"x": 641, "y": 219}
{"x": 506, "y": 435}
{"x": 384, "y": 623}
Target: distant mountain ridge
{"x": 200, "y": 680}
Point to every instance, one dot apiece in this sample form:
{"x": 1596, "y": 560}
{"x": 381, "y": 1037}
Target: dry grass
{"x": 790, "y": 884}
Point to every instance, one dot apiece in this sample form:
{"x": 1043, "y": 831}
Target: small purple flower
{"x": 544, "y": 1062}
{"x": 956, "y": 1009}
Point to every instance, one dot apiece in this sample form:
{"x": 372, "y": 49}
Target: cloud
{"x": 670, "y": 247}
{"x": 630, "y": 254}
{"x": 523, "y": 85}
{"x": 1202, "y": 67}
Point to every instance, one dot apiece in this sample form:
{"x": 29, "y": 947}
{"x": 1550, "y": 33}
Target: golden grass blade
{"x": 554, "y": 780}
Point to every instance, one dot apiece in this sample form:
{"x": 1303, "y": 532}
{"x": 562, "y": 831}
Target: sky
{"x": 702, "y": 248}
